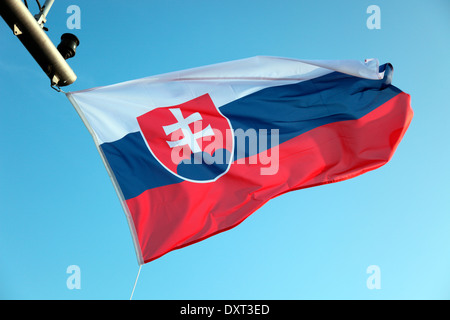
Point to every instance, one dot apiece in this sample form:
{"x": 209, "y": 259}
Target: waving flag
{"x": 194, "y": 153}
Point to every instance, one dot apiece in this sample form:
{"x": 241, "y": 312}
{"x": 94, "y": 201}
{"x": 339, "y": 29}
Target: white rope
{"x": 134, "y": 287}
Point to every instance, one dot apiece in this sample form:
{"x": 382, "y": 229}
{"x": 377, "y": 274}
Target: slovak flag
{"x": 193, "y": 153}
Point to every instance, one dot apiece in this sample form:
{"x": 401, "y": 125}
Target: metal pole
{"x": 35, "y": 40}
{"x": 41, "y": 17}
{"x": 46, "y": 7}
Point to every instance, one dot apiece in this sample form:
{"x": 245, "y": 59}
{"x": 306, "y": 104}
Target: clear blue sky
{"x": 59, "y": 208}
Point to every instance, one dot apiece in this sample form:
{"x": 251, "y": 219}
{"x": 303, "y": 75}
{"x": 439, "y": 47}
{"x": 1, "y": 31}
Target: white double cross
{"x": 189, "y": 138}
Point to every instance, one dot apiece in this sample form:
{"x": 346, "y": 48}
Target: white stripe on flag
{"x": 112, "y": 110}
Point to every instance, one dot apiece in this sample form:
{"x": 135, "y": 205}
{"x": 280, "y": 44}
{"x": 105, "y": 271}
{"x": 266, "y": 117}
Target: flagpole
{"x": 135, "y": 282}
{"x": 30, "y": 31}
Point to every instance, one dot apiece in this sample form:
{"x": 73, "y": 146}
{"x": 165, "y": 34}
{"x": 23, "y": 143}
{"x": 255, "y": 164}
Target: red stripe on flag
{"x": 175, "y": 216}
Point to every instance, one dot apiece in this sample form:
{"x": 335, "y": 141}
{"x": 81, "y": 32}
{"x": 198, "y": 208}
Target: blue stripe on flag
{"x": 292, "y": 109}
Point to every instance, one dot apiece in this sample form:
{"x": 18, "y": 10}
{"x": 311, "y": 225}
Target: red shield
{"x": 192, "y": 140}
